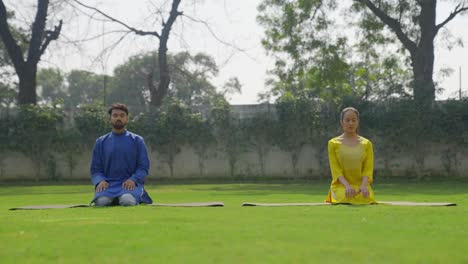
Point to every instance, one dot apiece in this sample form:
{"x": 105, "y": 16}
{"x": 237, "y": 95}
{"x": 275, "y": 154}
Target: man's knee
{"x": 127, "y": 200}
{"x": 103, "y": 201}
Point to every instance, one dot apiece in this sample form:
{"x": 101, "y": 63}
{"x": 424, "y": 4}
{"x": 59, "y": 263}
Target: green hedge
{"x": 395, "y": 127}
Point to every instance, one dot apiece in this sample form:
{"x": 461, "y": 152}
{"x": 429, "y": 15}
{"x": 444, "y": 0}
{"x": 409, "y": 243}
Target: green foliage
{"x": 7, "y": 97}
{"x": 323, "y": 120}
{"x": 400, "y": 127}
{"x": 396, "y": 127}
{"x": 4, "y": 61}
{"x": 70, "y": 143}
{"x": 315, "y": 59}
{"x": 404, "y": 11}
{"x": 84, "y": 88}
{"x": 294, "y": 127}
{"x": 171, "y": 133}
{"x": 91, "y": 122}
{"x": 34, "y": 131}
{"x": 232, "y": 86}
{"x": 130, "y": 81}
{"x": 191, "y": 80}
{"x": 260, "y": 136}
{"x": 144, "y": 124}
{"x": 51, "y": 168}
{"x": 452, "y": 133}
{"x": 51, "y": 83}
{"x": 228, "y": 134}
{"x": 190, "y": 83}
{"x": 6, "y": 133}
{"x": 201, "y": 138}
{"x": 167, "y": 132}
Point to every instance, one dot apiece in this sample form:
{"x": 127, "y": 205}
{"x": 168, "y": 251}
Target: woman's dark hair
{"x": 343, "y": 112}
{"x": 118, "y": 106}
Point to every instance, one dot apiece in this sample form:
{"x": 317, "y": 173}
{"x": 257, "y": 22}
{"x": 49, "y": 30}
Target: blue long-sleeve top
{"x": 119, "y": 157}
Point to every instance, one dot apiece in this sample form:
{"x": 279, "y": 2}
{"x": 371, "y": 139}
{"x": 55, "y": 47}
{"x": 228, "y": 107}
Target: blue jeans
{"x": 124, "y": 200}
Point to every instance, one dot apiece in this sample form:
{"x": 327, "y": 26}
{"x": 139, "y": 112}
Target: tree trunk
{"x": 422, "y": 57}
{"x": 27, "y": 85}
{"x": 420, "y": 49}
{"x": 25, "y": 64}
{"x": 423, "y": 84}
{"x": 158, "y": 94}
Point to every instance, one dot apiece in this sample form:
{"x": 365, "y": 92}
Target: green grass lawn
{"x": 235, "y": 234}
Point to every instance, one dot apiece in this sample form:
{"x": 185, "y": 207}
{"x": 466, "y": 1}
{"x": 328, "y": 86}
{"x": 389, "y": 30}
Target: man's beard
{"x": 118, "y": 125}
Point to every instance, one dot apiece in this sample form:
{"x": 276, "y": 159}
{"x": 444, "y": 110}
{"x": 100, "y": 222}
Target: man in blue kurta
{"x": 120, "y": 164}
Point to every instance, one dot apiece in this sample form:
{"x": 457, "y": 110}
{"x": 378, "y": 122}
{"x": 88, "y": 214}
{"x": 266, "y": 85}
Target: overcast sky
{"x": 232, "y": 21}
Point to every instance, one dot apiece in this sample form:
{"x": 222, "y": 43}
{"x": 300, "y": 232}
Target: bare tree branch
{"x": 158, "y": 94}
{"x": 91, "y": 16}
{"x": 95, "y": 37}
{"x": 51, "y": 35}
{"x": 159, "y": 11}
{"x": 38, "y": 28}
{"x": 14, "y": 50}
{"x": 393, "y": 24}
{"x": 216, "y": 37}
{"x": 134, "y": 30}
{"x": 100, "y": 56}
{"x": 204, "y": 23}
{"x": 458, "y": 9}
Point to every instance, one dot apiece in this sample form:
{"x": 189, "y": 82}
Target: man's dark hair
{"x": 118, "y": 106}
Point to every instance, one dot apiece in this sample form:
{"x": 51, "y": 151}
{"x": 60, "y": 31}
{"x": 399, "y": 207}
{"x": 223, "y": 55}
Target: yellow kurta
{"x": 352, "y": 162}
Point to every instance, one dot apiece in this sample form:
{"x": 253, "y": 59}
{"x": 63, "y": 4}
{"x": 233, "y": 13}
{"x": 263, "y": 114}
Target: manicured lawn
{"x": 235, "y": 234}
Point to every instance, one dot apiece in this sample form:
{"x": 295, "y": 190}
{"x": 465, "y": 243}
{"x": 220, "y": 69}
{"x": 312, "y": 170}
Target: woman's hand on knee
{"x": 350, "y": 191}
{"x": 364, "y": 190}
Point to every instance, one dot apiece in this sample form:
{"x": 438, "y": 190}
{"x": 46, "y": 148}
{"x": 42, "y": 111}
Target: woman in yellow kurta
{"x": 351, "y": 162}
